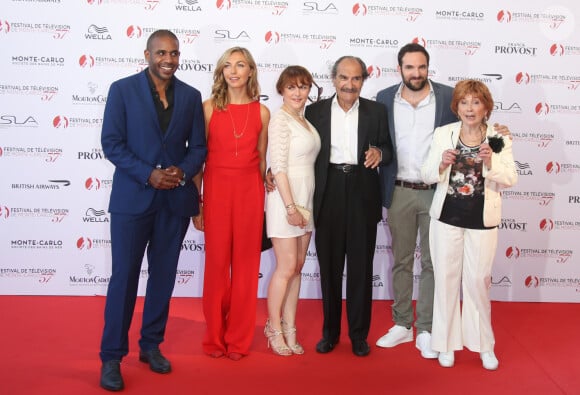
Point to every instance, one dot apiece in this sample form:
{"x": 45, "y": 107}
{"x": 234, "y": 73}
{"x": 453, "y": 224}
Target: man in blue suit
{"x": 415, "y": 107}
{"x": 154, "y": 134}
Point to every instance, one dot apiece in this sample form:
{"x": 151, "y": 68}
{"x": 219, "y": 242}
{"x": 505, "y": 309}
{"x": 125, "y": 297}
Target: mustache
{"x": 349, "y": 90}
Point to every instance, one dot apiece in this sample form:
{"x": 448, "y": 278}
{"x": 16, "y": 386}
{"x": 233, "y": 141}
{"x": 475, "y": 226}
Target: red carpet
{"x": 50, "y": 346}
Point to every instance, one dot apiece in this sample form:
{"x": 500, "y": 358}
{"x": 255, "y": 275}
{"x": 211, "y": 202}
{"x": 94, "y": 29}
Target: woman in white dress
{"x": 293, "y": 144}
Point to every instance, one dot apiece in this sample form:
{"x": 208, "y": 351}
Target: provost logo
{"x": 359, "y": 9}
{"x": 553, "y": 168}
{"x": 557, "y": 50}
{"x": 134, "y": 31}
{"x": 374, "y": 71}
{"x": 546, "y": 225}
{"x": 272, "y": 37}
{"x": 512, "y": 252}
{"x": 84, "y": 243}
{"x": 60, "y": 122}
{"x": 223, "y": 4}
{"x": 542, "y": 108}
{"x": 532, "y": 282}
{"x": 86, "y": 61}
{"x": 523, "y": 78}
{"x": 4, "y": 27}
{"x": 504, "y": 16}
{"x": 92, "y": 184}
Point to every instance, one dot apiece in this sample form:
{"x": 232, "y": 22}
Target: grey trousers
{"x": 407, "y": 217}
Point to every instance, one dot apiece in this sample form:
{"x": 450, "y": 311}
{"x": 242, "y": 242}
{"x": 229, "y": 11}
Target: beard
{"x": 416, "y": 84}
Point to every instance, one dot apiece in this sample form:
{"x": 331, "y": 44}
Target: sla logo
{"x": 223, "y": 4}
{"x": 4, "y": 212}
{"x": 512, "y": 252}
{"x": 522, "y": 78}
{"x": 374, "y": 71}
{"x": 93, "y": 184}
{"x": 60, "y": 122}
{"x": 4, "y": 26}
{"x": 557, "y": 50}
{"x": 532, "y": 282}
{"x": 134, "y": 31}
{"x": 542, "y": 108}
{"x": 86, "y": 61}
{"x": 553, "y": 167}
{"x": 359, "y": 9}
{"x": 546, "y": 225}
{"x": 272, "y": 37}
{"x": 504, "y": 16}
{"x": 84, "y": 243}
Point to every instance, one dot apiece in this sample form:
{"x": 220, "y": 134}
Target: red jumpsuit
{"x": 233, "y": 190}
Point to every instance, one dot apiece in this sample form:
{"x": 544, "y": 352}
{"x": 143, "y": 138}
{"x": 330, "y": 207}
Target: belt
{"x": 344, "y": 167}
{"x": 414, "y": 185}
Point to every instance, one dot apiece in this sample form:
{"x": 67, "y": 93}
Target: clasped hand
{"x": 168, "y": 178}
{"x": 372, "y": 157}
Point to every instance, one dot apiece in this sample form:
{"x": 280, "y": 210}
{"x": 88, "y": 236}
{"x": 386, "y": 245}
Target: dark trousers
{"x": 345, "y": 229}
{"x": 161, "y": 233}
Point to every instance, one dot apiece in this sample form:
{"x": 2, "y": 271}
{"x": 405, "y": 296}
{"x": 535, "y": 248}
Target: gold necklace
{"x": 471, "y": 142}
{"x": 237, "y": 135}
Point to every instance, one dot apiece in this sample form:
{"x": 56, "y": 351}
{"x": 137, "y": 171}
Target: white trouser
{"x": 462, "y": 260}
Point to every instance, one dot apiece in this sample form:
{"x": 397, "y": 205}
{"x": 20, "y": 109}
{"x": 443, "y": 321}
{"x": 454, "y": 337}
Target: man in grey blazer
{"x": 415, "y": 107}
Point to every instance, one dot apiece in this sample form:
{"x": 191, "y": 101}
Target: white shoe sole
{"x": 385, "y": 344}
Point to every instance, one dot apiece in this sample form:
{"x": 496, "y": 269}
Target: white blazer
{"x": 501, "y": 175}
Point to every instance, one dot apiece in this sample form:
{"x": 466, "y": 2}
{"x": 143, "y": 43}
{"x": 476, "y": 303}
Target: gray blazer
{"x": 443, "y": 116}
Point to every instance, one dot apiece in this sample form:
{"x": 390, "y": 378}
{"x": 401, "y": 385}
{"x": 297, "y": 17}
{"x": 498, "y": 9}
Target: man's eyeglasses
{"x": 318, "y": 93}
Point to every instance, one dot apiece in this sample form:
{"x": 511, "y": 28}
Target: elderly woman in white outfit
{"x": 293, "y": 144}
{"x": 470, "y": 166}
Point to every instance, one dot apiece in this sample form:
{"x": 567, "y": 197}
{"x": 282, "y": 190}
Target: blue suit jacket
{"x": 134, "y": 142}
{"x": 443, "y": 116}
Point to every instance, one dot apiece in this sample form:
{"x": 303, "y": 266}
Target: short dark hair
{"x": 412, "y": 47}
{"x": 160, "y": 33}
{"x": 363, "y": 66}
{"x": 293, "y": 75}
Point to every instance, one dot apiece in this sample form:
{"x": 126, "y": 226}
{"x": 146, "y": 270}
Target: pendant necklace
{"x": 237, "y": 135}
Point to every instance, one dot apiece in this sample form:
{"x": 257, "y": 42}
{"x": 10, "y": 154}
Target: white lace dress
{"x": 293, "y": 150}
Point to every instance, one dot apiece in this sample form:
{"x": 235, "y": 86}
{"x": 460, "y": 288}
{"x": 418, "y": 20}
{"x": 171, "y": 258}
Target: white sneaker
{"x": 489, "y": 360}
{"x": 396, "y": 335}
{"x": 423, "y": 343}
{"x": 446, "y": 359}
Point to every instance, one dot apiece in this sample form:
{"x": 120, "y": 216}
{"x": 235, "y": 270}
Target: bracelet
{"x": 289, "y": 206}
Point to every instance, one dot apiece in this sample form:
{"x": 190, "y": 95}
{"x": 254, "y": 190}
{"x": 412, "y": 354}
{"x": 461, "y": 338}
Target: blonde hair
{"x": 219, "y": 90}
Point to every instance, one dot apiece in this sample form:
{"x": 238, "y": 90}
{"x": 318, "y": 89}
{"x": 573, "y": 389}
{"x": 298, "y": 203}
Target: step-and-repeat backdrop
{"x": 59, "y": 57}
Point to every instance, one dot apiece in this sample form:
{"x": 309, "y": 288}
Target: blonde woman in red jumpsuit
{"x": 233, "y": 204}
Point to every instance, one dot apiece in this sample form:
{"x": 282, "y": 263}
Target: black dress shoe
{"x": 360, "y": 348}
{"x": 111, "y": 378}
{"x": 157, "y": 362}
{"x": 325, "y": 345}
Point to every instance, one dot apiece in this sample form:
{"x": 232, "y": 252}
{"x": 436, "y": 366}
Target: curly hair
{"x": 219, "y": 90}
